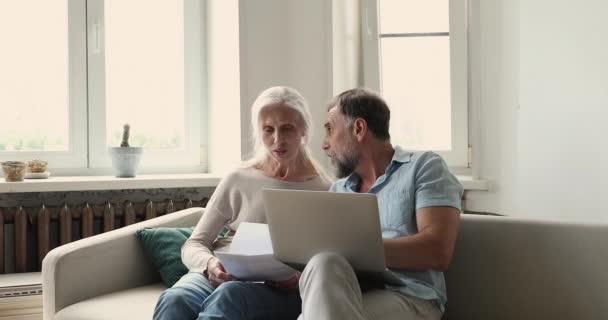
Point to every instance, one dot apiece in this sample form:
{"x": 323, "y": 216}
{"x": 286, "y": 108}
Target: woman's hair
{"x": 292, "y": 99}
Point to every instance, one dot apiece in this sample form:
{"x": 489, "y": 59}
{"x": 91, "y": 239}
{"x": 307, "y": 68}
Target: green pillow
{"x": 163, "y": 247}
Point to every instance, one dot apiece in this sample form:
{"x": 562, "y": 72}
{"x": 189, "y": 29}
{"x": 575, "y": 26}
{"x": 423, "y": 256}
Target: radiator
{"x": 37, "y": 230}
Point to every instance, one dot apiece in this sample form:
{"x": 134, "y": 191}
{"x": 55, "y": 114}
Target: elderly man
{"x": 419, "y": 202}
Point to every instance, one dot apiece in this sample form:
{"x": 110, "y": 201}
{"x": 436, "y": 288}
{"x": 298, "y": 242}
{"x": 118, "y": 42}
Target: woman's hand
{"x": 288, "y": 285}
{"x": 216, "y": 272}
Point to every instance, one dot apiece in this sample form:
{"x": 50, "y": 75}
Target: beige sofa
{"x": 504, "y": 268}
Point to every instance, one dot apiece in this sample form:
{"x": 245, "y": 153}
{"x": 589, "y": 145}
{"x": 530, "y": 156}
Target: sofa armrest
{"x": 102, "y": 264}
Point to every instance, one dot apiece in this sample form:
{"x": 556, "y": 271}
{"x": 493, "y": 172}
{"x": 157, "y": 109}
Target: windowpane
{"x": 416, "y": 84}
{"x": 144, "y": 72}
{"x": 34, "y": 84}
{"x": 411, "y": 16}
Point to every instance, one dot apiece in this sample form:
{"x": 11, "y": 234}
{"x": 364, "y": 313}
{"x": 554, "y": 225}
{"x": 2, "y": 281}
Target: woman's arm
{"x": 197, "y": 251}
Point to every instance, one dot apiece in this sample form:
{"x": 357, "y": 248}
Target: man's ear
{"x": 359, "y": 128}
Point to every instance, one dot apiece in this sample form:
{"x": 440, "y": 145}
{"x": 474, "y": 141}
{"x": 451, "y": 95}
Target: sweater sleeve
{"x": 198, "y": 249}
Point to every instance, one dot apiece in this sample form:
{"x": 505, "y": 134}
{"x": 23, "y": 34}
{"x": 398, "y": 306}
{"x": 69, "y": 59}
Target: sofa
{"x": 503, "y": 268}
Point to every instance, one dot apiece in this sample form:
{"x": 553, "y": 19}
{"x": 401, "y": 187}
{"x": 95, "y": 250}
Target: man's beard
{"x": 345, "y": 164}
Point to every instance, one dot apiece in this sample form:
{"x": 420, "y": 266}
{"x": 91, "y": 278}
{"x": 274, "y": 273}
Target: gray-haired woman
{"x": 281, "y": 125}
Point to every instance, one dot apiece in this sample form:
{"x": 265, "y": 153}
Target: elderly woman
{"x": 281, "y": 124}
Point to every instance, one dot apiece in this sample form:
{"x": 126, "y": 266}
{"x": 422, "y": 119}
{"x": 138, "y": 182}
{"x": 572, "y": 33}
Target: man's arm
{"x": 432, "y": 247}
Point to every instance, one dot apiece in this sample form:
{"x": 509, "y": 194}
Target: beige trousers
{"x": 330, "y": 291}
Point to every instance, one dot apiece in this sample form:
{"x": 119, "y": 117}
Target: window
{"x": 415, "y": 55}
{"x": 43, "y": 81}
{"x": 80, "y": 69}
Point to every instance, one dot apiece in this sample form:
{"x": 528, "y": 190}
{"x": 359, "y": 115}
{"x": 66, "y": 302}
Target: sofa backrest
{"x": 513, "y": 268}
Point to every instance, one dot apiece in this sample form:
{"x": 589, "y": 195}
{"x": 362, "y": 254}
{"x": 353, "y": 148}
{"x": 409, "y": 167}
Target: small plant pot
{"x": 125, "y": 161}
{"x": 14, "y": 171}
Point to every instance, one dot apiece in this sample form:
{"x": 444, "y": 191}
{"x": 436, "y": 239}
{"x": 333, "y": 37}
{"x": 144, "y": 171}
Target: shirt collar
{"x": 400, "y": 157}
{"x": 351, "y": 182}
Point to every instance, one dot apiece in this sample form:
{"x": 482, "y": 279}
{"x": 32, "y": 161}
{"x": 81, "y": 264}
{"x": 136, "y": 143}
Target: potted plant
{"x": 125, "y": 159}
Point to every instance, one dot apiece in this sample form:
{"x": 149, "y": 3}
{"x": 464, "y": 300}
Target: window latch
{"x": 97, "y": 38}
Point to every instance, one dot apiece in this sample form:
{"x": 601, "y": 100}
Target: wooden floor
{"x": 20, "y": 296}
{"x": 24, "y": 307}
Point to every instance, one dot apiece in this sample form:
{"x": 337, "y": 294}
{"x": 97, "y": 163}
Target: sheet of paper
{"x": 250, "y": 257}
{"x": 255, "y": 267}
{"x": 252, "y": 238}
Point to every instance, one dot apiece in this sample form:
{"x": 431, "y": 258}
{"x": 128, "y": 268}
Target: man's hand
{"x": 288, "y": 285}
{"x": 216, "y": 272}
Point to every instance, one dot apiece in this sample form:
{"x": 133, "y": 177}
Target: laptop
{"x": 304, "y": 223}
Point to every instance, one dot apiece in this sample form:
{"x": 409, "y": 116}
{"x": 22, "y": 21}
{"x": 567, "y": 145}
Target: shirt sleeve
{"x": 436, "y": 186}
{"x": 198, "y": 249}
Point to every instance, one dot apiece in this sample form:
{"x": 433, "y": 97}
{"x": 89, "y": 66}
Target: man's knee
{"x": 324, "y": 266}
{"x": 330, "y": 261}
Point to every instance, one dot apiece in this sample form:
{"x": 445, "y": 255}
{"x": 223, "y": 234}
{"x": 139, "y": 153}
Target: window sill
{"x": 152, "y": 181}
{"x": 473, "y": 184}
{"x": 89, "y": 183}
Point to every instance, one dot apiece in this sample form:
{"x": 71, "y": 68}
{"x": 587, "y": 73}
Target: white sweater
{"x": 238, "y": 198}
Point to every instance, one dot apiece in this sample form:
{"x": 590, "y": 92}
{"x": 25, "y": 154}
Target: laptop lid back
{"x": 304, "y": 223}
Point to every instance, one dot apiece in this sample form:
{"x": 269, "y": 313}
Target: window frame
{"x": 371, "y": 48}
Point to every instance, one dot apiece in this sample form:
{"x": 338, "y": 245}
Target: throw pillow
{"x": 163, "y": 247}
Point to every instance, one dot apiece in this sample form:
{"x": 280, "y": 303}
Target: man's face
{"x": 340, "y": 144}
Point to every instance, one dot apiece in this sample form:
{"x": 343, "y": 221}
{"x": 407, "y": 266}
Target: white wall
{"x": 541, "y": 142}
{"x": 286, "y": 42}
{"x": 564, "y": 108}
{"x": 224, "y": 100}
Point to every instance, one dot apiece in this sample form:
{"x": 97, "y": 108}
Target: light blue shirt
{"x": 413, "y": 180}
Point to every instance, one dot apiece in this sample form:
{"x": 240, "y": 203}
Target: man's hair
{"x": 365, "y": 104}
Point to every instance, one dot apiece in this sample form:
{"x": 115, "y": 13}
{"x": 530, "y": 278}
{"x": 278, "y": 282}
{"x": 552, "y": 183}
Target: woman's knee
{"x": 174, "y": 303}
{"x": 229, "y": 298}
{"x": 173, "y": 296}
{"x": 233, "y": 290}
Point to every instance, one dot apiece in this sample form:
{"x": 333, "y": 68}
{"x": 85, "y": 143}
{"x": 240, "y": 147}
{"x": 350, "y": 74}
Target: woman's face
{"x": 282, "y": 132}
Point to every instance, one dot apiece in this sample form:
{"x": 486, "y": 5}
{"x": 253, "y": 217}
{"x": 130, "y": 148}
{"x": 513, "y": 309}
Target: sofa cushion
{"x": 136, "y": 303}
{"x": 163, "y": 247}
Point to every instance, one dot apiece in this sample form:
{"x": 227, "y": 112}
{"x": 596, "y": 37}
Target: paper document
{"x": 258, "y": 267}
{"x": 250, "y": 257}
{"x": 252, "y": 238}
